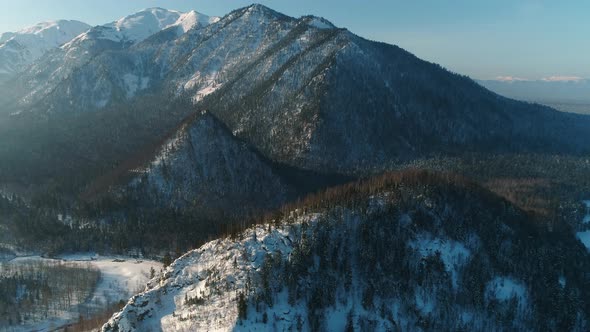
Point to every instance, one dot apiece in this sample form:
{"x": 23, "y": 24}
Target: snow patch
{"x": 505, "y": 288}
{"x": 585, "y": 238}
{"x": 453, "y": 254}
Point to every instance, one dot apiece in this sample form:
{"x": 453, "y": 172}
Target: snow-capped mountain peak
{"x": 21, "y": 48}
{"x": 192, "y": 19}
{"x": 137, "y": 27}
{"x": 53, "y": 32}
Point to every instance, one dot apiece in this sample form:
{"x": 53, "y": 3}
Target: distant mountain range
{"x": 19, "y": 49}
{"x": 564, "y": 94}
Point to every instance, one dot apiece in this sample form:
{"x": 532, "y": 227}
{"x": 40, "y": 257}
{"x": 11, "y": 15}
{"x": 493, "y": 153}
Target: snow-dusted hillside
{"x": 203, "y": 165}
{"x": 304, "y": 93}
{"x": 21, "y": 48}
{"x": 415, "y": 255}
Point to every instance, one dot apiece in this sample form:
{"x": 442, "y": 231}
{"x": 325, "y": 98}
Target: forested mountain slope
{"x": 203, "y": 166}
{"x": 411, "y": 251}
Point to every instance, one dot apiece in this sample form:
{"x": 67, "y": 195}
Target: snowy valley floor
{"x": 120, "y": 278}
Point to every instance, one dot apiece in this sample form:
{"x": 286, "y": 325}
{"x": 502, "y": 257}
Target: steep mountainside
{"x": 19, "y": 49}
{"x": 411, "y": 251}
{"x": 313, "y": 96}
{"x": 204, "y": 166}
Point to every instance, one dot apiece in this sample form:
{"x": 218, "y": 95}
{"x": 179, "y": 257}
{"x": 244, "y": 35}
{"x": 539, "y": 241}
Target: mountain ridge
{"x": 21, "y": 48}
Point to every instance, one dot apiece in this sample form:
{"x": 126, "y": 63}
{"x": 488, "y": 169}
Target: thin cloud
{"x": 562, "y": 79}
{"x": 557, "y": 78}
{"x": 510, "y": 79}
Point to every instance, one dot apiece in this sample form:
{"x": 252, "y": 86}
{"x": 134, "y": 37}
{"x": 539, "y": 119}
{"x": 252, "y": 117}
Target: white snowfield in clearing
{"x": 120, "y": 278}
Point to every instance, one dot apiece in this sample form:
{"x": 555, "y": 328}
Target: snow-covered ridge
{"x": 141, "y": 25}
{"x": 45, "y": 34}
{"x": 21, "y": 48}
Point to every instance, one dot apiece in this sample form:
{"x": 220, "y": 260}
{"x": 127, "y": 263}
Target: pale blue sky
{"x": 480, "y": 38}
